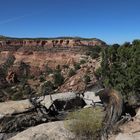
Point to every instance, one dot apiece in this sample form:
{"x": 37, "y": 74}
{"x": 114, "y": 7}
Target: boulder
{"x": 47, "y": 131}
{"x": 11, "y": 107}
{"x": 127, "y": 136}
{"x": 90, "y": 98}
{"x": 67, "y": 100}
{"x": 138, "y": 114}
{"x": 1, "y": 116}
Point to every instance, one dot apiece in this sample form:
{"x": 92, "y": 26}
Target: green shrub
{"x": 82, "y": 61}
{"x": 86, "y": 123}
{"x": 71, "y": 72}
{"x": 19, "y": 92}
{"x": 58, "y": 67}
{"x": 94, "y": 55}
{"x": 98, "y": 73}
{"x": 48, "y": 70}
{"x": 65, "y": 66}
{"x": 86, "y": 79}
{"x": 46, "y": 88}
{"x": 42, "y": 78}
{"x": 58, "y": 79}
{"x": 31, "y": 77}
{"x": 93, "y": 51}
{"x": 77, "y": 66}
{"x": 17, "y": 96}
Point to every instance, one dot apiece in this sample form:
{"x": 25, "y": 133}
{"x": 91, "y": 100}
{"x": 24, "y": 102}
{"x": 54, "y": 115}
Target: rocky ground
{"x": 50, "y": 130}
{"x": 129, "y": 130}
{"x": 56, "y": 130}
{"x": 37, "y": 66}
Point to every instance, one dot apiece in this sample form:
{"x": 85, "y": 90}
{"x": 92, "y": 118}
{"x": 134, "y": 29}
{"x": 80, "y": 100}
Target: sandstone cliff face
{"x": 39, "y": 53}
{"x": 52, "y": 42}
{"x": 32, "y": 56}
{"x": 37, "y": 61}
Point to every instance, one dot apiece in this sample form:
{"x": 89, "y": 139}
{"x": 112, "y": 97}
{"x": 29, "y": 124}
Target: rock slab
{"x": 47, "y": 131}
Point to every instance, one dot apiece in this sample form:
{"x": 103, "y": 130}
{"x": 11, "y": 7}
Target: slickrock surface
{"x": 48, "y": 131}
{"x": 130, "y": 130}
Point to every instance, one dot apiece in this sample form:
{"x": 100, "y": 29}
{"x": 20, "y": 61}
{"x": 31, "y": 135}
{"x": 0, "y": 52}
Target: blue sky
{"x": 114, "y": 21}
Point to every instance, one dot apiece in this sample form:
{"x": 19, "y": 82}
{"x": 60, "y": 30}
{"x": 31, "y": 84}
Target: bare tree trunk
{"x": 113, "y": 103}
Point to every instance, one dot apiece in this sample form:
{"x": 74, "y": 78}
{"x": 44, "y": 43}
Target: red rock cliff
{"x": 52, "y": 42}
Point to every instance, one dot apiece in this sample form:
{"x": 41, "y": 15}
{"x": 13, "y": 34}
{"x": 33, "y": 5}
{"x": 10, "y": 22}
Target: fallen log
{"x": 12, "y": 107}
{"x": 39, "y": 113}
{"x": 20, "y": 121}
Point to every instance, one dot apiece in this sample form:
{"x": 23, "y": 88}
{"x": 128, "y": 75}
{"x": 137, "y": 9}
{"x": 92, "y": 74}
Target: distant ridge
{"x": 47, "y": 38}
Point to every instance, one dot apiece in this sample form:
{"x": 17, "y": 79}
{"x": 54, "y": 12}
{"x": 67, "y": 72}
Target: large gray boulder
{"x": 90, "y": 95}
{"x": 11, "y": 107}
{"x": 90, "y": 98}
{"x": 48, "y": 131}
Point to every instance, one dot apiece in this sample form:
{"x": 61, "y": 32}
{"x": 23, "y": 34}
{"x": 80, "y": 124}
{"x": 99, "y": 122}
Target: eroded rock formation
{"x": 52, "y": 42}
{"x": 11, "y": 77}
{"x": 37, "y": 53}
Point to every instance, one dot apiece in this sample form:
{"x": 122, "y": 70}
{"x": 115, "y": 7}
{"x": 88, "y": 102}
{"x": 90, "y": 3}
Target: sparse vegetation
{"x": 42, "y": 78}
{"x": 71, "y": 72}
{"x": 86, "y": 123}
{"x": 94, "y": 51}
{"x": 58, "y": 67}
{"x": 46, "y": 88}
{"x": 77, "y": 66}
{"x": 65, "y": 66}
{"x": 18, "y": 92}
{"x": 82, "y": 61}
{"x": 86, "y": 79}
{"x": 48, "y": 70}
{"x": 7, "y": 64}
{"x": 24, "y": 70}
{"x": 58, "y": 79}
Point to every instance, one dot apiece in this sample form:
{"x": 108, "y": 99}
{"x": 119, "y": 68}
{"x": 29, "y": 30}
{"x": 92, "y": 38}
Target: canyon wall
{"x": 37, "y": 53}
{"x": 51, "y": 42}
